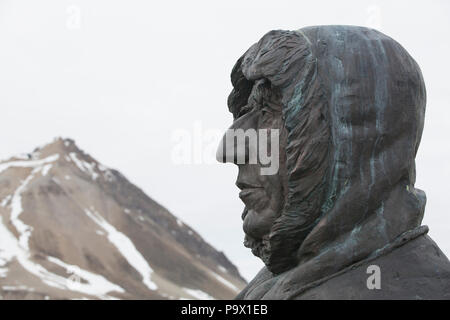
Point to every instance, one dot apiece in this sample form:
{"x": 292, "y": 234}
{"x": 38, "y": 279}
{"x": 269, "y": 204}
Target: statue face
{"x": 262, "y": 194}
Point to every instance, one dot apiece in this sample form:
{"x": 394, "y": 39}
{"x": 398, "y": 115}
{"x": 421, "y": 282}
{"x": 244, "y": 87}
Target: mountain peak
{"x": 59, "y": 145}
{"x": 65, "y": 216}
{"x": 64, "y": 154}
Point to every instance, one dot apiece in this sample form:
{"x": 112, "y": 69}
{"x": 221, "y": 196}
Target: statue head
{"x": 340, "y": 111}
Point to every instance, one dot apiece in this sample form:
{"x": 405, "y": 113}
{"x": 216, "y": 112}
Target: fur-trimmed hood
{"x": 353, "y": 105}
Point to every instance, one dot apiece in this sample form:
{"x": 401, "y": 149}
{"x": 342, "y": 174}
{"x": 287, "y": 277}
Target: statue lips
{"x": 246, "y": 185}
{"x": 250, "y": 193}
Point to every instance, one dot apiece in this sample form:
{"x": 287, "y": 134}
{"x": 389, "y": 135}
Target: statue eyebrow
{"x": 238, "y": 99}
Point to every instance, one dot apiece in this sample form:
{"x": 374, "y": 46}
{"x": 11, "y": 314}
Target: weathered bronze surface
{"x": 349, "y": 103}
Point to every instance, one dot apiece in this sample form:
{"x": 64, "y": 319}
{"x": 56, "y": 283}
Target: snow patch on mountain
{"x": 16, "y": 200}
{"x": 84, "y": 166}
{"x": 125, "y": 247}
{"x": 96, "y": 284}
{"x": 106, "y": 172}
{"x": 17, "y": 288}
{"x": 18, "y": 248}
{"x": 225, "y": 282}
{"x": 26, "y": 195}
{"x": 16, "y": 209}
{"x": 221, "y": 268}
{"x": 3, "y": 271}
{"x": 28, "y": 164}
{"x": 5, "y": 201}
{"x": 198, "y": 294}
{"x": 46, "y": 169}
{"x": 10, "y": 249}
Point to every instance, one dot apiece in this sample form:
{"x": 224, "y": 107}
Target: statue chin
{"x": 256, "y": 224}
{"x": 256, "y": 234}
{"x": 260, "y": 247}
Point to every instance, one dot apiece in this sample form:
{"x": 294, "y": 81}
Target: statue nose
{"x": 231, "y": 149}
{"x": 220, "y": 154}
{"x": 239, "y": 143}
{"x": 224, "y": 151}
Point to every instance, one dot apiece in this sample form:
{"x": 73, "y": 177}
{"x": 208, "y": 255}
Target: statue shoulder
{"x": 415, "y": 270}
{"x": 259, "y": 285}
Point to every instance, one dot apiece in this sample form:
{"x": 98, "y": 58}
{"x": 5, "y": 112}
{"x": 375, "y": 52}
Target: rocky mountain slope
{"x": 71, "y": 228}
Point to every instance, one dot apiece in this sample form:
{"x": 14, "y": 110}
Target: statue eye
{"x": 266, "y": 111}
{"x": 245, "y": 109}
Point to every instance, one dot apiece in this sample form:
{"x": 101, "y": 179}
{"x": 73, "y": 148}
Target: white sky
{"x": 126, "y": 74}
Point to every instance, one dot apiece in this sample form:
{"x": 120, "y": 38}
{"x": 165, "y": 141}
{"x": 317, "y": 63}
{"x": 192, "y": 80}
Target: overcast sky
{"x": 121, "y": 77}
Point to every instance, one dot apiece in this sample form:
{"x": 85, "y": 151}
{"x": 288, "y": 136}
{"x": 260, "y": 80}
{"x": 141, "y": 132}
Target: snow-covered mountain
{"x": 71, "y": 228}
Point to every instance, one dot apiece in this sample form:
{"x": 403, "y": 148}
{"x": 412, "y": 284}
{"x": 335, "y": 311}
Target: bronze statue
{"x": 348, "y": 103}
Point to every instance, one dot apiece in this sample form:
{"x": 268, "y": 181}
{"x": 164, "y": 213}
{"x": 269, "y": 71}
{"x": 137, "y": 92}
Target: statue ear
{"x": 278, "y": 56}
